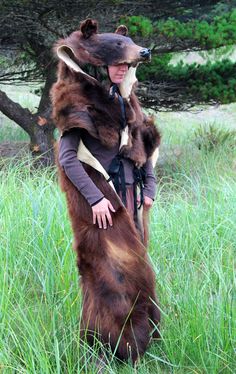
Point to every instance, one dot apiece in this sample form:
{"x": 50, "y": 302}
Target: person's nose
{"x": 123, "y": 68}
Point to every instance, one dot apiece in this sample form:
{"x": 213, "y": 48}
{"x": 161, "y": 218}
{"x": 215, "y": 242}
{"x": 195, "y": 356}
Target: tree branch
{"x": 22, "y": 116}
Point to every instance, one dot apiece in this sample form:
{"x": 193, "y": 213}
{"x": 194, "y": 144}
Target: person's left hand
{"x": 147, "y": 203}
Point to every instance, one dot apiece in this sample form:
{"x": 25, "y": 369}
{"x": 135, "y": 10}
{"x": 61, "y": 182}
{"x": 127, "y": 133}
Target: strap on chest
{"x": 86, "y": 156}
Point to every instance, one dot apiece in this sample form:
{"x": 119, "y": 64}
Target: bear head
{"x": 87, "y": 46}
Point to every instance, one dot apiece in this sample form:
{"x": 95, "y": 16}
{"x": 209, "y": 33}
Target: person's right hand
{"x": 101, "y": 213}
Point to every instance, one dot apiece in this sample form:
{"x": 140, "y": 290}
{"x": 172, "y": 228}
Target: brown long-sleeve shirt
{"x": 68, "y": 148}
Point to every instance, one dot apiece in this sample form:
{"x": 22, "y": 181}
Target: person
{"x": 106, "y": 150}
{"x": 101, "y": 207}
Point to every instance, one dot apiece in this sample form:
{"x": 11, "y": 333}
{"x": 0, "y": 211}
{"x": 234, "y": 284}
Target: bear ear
{"x": 122, "y": 30}
{"x": 88, "y": 27}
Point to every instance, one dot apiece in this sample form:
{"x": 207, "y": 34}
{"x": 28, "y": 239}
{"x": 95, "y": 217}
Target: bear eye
{"x": 119, "y": 43}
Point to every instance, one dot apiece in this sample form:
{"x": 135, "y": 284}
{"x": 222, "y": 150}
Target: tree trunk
{"x": 39, "y": 126}
{"x": 43, "y": 135}
{"x": 42, "y": 142}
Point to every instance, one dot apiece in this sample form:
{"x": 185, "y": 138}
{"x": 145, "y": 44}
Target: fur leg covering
{"x": 119, "y": 301}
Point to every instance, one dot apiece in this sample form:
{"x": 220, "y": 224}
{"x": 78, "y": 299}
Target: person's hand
{"x": 147, "y": 202}
{"x": 101, "y": 213}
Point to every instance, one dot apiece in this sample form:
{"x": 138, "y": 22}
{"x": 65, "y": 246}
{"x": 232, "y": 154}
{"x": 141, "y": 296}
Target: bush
{"x": 211, "y": 137}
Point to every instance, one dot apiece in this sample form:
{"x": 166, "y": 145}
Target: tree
{"x": 31, "y": 27}
{"x": 185, "y": 85}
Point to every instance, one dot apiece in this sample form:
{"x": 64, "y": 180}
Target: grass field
{"x": 192, "y": 249}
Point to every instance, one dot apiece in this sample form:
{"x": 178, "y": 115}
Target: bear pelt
{"x": 120, "y": 307}
{"x": 81, "y": 101}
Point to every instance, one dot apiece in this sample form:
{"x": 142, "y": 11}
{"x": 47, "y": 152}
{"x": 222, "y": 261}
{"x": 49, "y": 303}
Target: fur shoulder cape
{"x": 85, "y": 103}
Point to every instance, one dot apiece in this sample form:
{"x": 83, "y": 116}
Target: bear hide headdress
{"x": 119, "y": 301}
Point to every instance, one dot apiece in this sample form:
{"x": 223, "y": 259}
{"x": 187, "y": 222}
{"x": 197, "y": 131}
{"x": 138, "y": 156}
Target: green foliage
{"x": 211, "y": 81}
{"x": 155, "y": 68}
{"x": 138, "y": 25}
{"x": 4, "y": 62}
{"x": 220, "y": 31}
{"x": 211, "y": 137}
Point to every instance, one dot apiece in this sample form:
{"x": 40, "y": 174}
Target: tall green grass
{"x": 192, "y": 249}
{"x": 9, "y": 131}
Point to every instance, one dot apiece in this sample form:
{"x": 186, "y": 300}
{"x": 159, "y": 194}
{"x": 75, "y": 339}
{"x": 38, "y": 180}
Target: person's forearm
{"x": 150, "y": 185}
{"x": 73, "y": 168}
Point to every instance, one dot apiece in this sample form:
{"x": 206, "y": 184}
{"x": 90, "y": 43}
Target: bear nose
{"x": 145, "y": 53}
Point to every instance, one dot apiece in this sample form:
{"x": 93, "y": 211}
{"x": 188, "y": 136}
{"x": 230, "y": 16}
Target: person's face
{"x": 117, "y": 72}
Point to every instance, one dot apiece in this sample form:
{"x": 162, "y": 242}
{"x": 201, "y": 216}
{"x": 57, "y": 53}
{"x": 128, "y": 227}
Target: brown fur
{"x": 116, "y": 277}
{"x": 118, "y": 284}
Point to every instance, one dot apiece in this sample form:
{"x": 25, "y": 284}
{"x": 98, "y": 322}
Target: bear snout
{"x": 145, "y": 53}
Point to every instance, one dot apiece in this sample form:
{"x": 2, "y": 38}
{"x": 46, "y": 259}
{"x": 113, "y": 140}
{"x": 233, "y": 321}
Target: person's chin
{"x": 119, "y": 80}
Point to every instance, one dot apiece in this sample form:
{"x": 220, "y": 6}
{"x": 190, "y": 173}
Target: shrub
{"x": 211, "y": 137}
